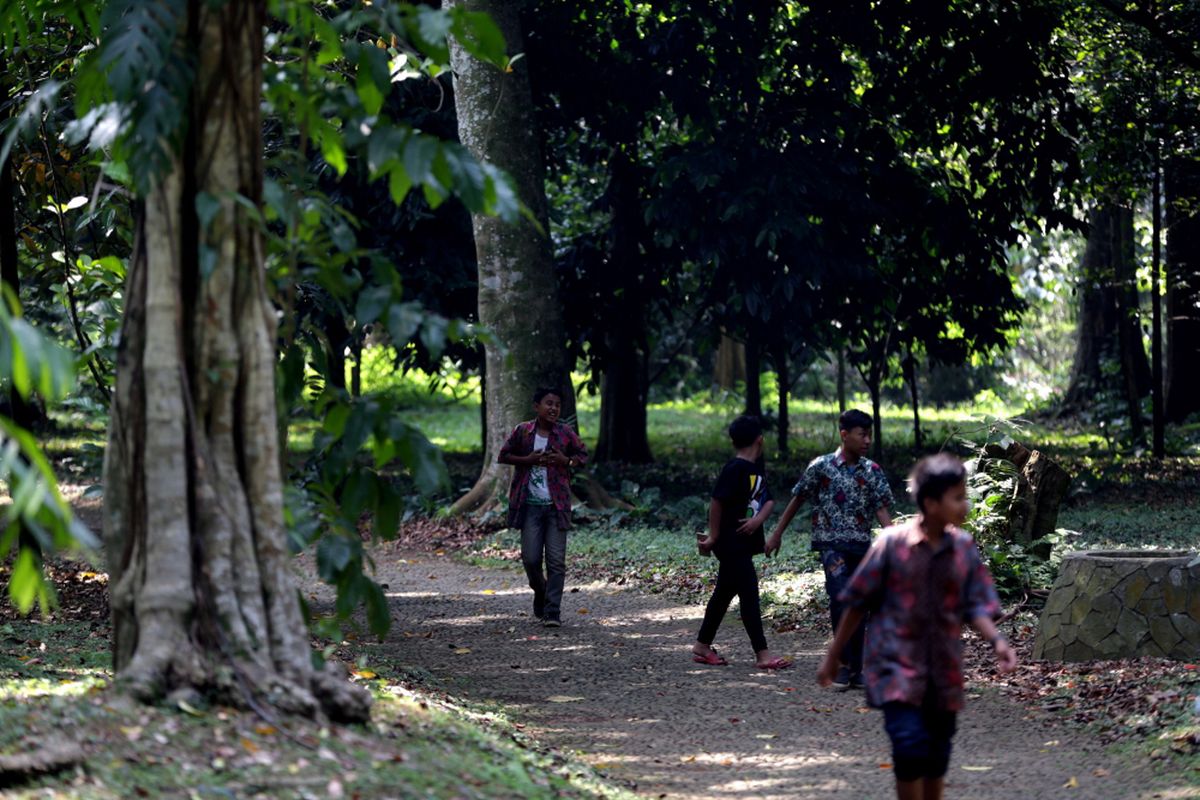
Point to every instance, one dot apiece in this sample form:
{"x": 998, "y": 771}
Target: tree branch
{"x": 1150, "y": 23}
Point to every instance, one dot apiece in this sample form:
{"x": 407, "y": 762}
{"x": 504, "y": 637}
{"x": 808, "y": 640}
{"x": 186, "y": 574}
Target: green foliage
{"x": 991, "y": 484}
{"x": 38, "y": 520}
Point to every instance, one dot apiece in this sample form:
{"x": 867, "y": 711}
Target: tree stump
{"x": 1041, "y": 486}
{"x": 1122, "y": 603}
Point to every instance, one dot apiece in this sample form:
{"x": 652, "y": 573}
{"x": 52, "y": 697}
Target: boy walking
{"x": 847, "y": 491}
{"x": 922, "y": 580}
{"x": 740, "y": 505}
{"x": 544, "y": 451}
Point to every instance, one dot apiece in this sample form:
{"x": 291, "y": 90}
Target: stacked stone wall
{"x": 1119, "y": 604}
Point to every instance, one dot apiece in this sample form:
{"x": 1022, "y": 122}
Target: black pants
{"x": 735, "y": 577}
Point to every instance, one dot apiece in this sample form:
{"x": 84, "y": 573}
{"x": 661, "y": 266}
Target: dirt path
{"x": 617, "y": 684}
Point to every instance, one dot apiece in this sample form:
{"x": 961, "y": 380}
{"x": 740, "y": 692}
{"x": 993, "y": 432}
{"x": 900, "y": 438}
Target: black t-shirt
{"x": 742, "y": 490}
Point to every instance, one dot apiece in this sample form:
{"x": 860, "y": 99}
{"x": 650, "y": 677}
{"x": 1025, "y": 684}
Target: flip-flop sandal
{"x": 712, "y": 659}
{"x": 775, "y": 663}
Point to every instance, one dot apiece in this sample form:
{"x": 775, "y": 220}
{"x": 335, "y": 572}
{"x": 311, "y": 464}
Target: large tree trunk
{"x": 1183, "y": 289}
{"x": 201, "y": 589}
{"x": 729, "y": 365}
{"x": 625, "y": 384}
{"x": 518, "y": 290}
{"x": 1108, "y": 328}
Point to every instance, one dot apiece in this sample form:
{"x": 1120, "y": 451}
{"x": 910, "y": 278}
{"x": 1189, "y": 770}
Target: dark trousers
{"x": 736, "y": 576}
{"x": 541, "y": 538}
{"x": 839, "y": 566}
{"x": 921, "y": 738}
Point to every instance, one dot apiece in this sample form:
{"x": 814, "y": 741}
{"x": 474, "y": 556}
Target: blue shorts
{"x": 920, "y": 739}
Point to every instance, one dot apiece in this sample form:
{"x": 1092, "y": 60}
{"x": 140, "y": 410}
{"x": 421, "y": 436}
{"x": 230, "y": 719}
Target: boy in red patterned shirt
{"x": 544, "y": 451}
{"x": 921, "y": 581}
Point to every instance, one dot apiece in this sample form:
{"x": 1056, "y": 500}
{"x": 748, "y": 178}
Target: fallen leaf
{"x": 583, "y": 611}
{"x": 488, "y": 591}
{"x": 564, "y": 698}
{"x": 969, "y": 768}
{"x": 1071, "y": 784}
{"x": 1100, "y": 772}
{"x": 687, "y": 759}
{"x": 461, "y": 651}
{"x": 188, "y": 708}
{"x": 132, "y": 733}
{"x": 885, "y": 766}
{"x": 265, "y": 730}
{"x": 249, "y": 745}
{"x": 766, "y": 736}
{"x": 364, "y": 673}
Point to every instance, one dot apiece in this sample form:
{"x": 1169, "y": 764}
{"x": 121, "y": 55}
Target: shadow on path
{"x": 617, "y": 684}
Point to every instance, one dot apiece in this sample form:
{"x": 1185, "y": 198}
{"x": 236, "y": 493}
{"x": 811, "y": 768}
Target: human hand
{"x": 828, "y": 669}
{"x": 749, "y": 526}
{"x": 705, "y": 545}
{"x": 556, "y": 458}
{"x": 1006, "y": 657}
{"x": 774, "y": 542}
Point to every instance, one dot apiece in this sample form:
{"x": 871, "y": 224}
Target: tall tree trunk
{"x": 841, "y": 379}
{"x": 1135, "y": 370}
{"x": 1183, "y": 289}
{"x": 783, "y": 379}
{"x": 910, "y": 375}
{"x": 26, "y": 414}
{"x": 753, "y": 378}
{"x": 624, "y": 386}
{"x": 518, "y": 290}
{"x": 1108, "y": 327}
{"x": 874, "y": 380}
{"x": 202, "y": 594}
{"x": 1156, "y": 332}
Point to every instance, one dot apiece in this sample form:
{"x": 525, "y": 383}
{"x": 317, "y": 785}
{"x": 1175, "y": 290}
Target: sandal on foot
{"x": 775, "y": 663}
{"x": 712, "y": 659}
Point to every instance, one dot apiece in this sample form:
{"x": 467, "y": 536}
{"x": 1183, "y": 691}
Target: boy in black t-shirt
{"x": 740, "y": 505}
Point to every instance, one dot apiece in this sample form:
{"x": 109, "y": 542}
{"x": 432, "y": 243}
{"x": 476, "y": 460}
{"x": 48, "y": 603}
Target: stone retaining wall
{"x": 1118, "y": 604}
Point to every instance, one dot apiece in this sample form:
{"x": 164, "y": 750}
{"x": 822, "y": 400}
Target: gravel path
{"x": 617, "y": 684}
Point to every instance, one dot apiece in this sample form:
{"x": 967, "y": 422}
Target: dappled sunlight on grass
{"x": 82, "y": 682}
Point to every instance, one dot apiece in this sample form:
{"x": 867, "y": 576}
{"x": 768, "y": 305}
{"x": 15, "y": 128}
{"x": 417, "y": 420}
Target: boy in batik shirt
{"x": 921, "y": 580}
{"x": 848, "y": 492}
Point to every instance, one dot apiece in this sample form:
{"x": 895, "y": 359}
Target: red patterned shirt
{"x": 520, "y": 443}
{"x": 919, "y": 599}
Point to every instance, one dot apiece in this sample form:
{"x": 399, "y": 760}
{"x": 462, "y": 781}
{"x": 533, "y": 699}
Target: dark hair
{"x": 540, "y": 393}
{"x": 935, "y": 475}
{"x": 852, "y": 418}
{"x": 744, "y": 430}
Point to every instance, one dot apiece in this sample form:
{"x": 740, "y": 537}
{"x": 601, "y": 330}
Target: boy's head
{"x": 547, "y": 404}
{"x": 854, "y": 426}
{"x": 938, "y": 484}
{"x": 745, "y": 431}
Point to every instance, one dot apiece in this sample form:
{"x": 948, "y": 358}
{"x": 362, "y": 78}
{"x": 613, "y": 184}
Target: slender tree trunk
{"x": 783, "y": 378}
{"x": 874, "y": 381}
{"x": 1183, "y": 289}
{"x": 356, "y": 348}
{"x": 1156, "y": 335}
{"x": 753, "y": 378}
{"x": 518, "y": 290}
{"x": 26, "y": 414}
{"x": 202, "y": 594}
{"x": 624, "y": 386}
{"x": 841, "y": 380}
{"x": 337, "y": 335}
{"x": 910, "y": 375}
